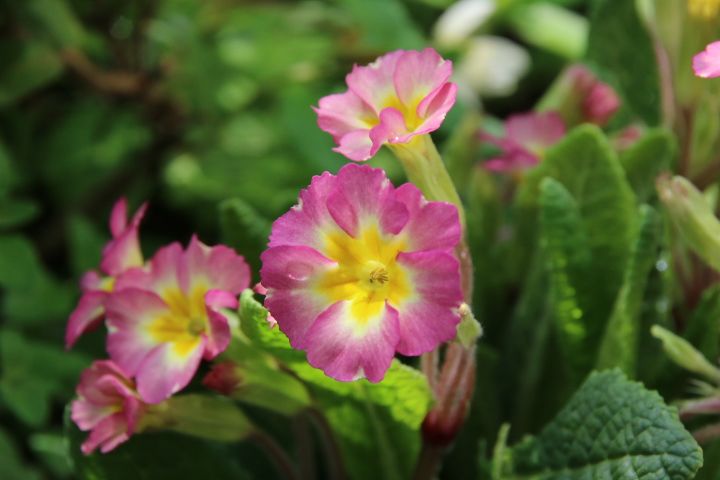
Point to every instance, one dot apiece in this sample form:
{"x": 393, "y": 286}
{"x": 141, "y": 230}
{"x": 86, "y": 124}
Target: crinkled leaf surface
{"x": 611, "y": 429}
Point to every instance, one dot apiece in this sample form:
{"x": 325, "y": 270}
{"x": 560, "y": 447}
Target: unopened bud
{"x": 693, "y": 217}
{"x": 259, "y": 385}
{"x": 469, "y": 329}
{"x": 685, "y": 355}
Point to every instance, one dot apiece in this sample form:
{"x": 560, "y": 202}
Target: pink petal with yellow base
{"x": 348, "y": 348}
{"x": 398, "y": 96}
{"x": 347, "y": 296}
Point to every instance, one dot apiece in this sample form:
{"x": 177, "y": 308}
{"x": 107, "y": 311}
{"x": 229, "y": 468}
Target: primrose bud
{"x": 259, "y": 385}
{"x": 685, "y": 355}
{"x": 693, "y": 217}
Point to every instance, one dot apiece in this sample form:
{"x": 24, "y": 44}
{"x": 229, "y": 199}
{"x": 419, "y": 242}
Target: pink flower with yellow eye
{"x": 120, "y": 254}
{"x": 108, "y": 405}
{"x": 706, "y": 64}
{"x": 360, "y": 270}
{"x": 163, "y": 319}
{"x": 397, "y": 97}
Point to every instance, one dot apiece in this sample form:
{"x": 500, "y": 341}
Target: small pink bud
{"x": 224, "y": 378}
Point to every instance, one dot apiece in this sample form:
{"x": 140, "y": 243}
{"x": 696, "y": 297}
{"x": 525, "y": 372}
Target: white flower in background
{"x": 459, "y": 21}
{"x": 491, "y": 66}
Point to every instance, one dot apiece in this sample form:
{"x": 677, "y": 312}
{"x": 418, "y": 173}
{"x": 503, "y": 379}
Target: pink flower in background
{"x": 527, "y": 135}
{"x": 600, "y": 104}
{"x": 706, "y": 64}
{"x": 120, "y": 254}
{"x": 165, "y": 318}
{"x": 108, "y": 406}
{"x": 359, "y": 270}
{"x": 400, "y": 95}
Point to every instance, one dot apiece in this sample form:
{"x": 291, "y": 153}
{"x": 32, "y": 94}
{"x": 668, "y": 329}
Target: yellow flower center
{"x": 704, "y": 9}
{"x": 185, "y": 321}
{"x": 367, "y": 273}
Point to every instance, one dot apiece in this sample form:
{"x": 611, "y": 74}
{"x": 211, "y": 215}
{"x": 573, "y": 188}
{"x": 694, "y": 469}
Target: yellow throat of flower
{"x": 185, "y": 321}
{"x": 367, "y": 274}
{"x": 703, "y": 9}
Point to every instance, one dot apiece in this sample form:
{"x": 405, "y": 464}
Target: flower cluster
{"x": 163, "y": 317}
{"x": 359, "y": 270}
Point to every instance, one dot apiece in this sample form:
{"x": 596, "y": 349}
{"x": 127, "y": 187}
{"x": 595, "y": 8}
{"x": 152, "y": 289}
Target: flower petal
{"x": 535, "y": 130}
{"x": 303, "y": 222}
{"x": 347, "y": 348}
{"x": 342, "y": 113}
{"x": 107, "y": 435}
{"x": 373, "y": 83}
{"x": 356, "y": 146}
{"x": 129, "y": 313}
{"x": 87, "y": 315}
{"x": 219, "y": 267}
{"x": 168, "y": 369}
{"x": 417, "y": 74}
{"x": 289, "y": 273}
{"x": 432, "y": 225}
{"x": 430, "y": 317}
{"x": 706, "y": 64}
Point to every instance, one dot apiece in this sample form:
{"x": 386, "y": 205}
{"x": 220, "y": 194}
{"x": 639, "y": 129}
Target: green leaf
{"x": 703, "y": 328}
{"x": 156, "y": 456}
{"x": 611, "y": 429}
{"x": 59, "y": 21}
{"x": 589, "y": 171}
{"x": 26, "y": 281}
{"x": 85, "y": 244}
{"x": 645, "y": 159}
{"x": 384, "y": 24}
{"x": 551, "y": 27}
{"x": 34, "y": 65}
{"x": 567, "y": 253}
{"x": 619, "y": 347}
{"x": 372, "y": 420}
{"x": 34, "y": 374}
{"x": 11, "y": 466}
{"x": 15, "y": 212}
{"x": 621, "y": 49}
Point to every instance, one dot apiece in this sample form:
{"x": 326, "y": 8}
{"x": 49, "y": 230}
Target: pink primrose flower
{"x": 526, "y": 137}
{"x": 706, "y": 64}
{"x": 359, "y": 270}
{"x": 164, "y": 318}
{"x": 398, "y": 96}
{"x": 107, "y": 405}
{"x": 120, "y": 254}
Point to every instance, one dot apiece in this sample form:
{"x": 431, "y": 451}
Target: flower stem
{"x": 276, "y": 454}
{"x": 332, "y": 450}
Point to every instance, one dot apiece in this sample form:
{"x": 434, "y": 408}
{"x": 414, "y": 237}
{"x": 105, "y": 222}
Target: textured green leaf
{"x": 620, "y": 47}
{"x": 567, "y": 253}
{"x": 619, "y": 346}
{"x": 588, "y": 169}
{"x": 645, "y": 159}
{"x": 611, "y": 429}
